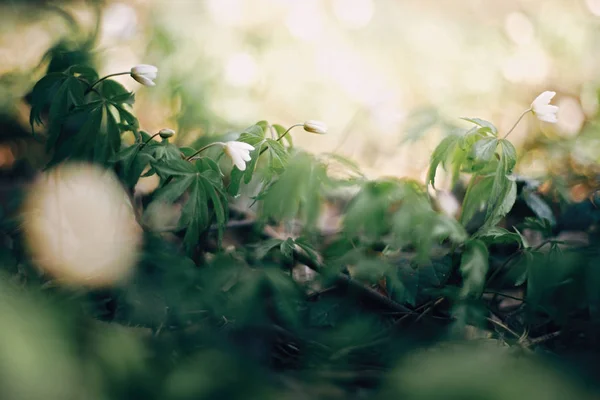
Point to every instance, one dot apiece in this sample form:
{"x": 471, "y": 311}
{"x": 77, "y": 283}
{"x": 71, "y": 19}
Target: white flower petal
{"x": 143, "y": 80}
{"x": 547, "y": 118}
{"x": 245, "y": 155}
{"x": 547, "y": 109}
{"x": 543, "y": 99}
{"x": 242, "y": 145}
{"x": 143, "y": 69}
{"x": 238, "y": 162}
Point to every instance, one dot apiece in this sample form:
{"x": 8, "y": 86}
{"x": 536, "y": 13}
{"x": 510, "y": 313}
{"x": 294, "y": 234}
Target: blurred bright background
{"x": 389, "y": 77}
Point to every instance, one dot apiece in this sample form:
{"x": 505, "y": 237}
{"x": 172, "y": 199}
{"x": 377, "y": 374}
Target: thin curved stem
{"x": 204, "y": 148}
{"x": 517, "y": 123}
{"x": 281, "y": 136}
{"x": 148, "y": 141}
{"x": 106, "y": 77}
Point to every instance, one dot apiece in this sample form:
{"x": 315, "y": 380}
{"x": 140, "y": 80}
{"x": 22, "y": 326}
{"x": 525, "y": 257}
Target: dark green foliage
{"x": 216, "y": 309}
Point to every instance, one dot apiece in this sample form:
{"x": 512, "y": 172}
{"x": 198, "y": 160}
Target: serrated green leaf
{"x": 175, "y": 167}
{"x": 473, "y": 268}
{"x": 484, "y": 124}
{"x": 441, "y": 154}
{"x": 484, "y": 149}
{"x": 497, "y": 235}
{"x": 42, "y": 95}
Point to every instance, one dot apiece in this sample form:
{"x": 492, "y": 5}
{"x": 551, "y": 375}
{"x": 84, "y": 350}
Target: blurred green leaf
{"x": 474, "y": 267}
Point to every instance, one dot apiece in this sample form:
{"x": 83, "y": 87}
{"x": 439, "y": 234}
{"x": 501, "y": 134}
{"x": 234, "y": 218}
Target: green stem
{"x": 517, "y": 123}
{"x": 106, "y": 77}
{"x": 204, "y": 148}
{"x": 281, "y": 136}
{"x": 148, "y": 141}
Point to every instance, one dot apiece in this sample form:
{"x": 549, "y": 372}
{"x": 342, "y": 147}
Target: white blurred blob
{"x": 593, "y": 6}
{"x": 529, "y": 65}
{"x": 353, "y": 14}
{"x": 241, "y": 70}
{"x": 80, "y": 226}
{"x": 387, "y": 112}
{"x": 119, "y": 21}
{"x": 226, "y": 12}
{"x": 519, "y": 28}
{"x": 305, "y": 20}
{"x": 447, "y": 203}
{"x": 570, "y": 116}
{"x": 146, "y": 184}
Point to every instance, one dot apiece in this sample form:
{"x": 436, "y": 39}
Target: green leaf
{"x": 263, "y": 248}
{"x": 473, "y": 268}
{"x": 297, "y": 192}
{"x": 308, "y": 249}
{"x": 441, "y": 154}
{"x": 497, "y": 235}
{"x": 287, "y": 248}
{"x": 540, "y": 208}
{"x": 476, "y": 197}
{"x": 280, "y": 131}
{"x": 509, "y": 153}
{"x": 484, "y": 124}
{"x": 219, "y": 204}
{"x": 205, "y": 196}
{"x": 174, "y": 190}
{"x": 485, "y": 148}
{"x": 85, "y": 72}
{"x": 176, "y": 167}
{"x": 42, "y": 95}
{"x": 68, "y": 95}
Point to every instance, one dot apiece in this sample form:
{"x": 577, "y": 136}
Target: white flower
{"x": 144, "y": 74}
{"x": 315, "y": 127}
{"x": 239, "y": 152}
{"x": 166, "y": 133}
{"x": 542, "y": 108}
{"x": 80, "y": 226}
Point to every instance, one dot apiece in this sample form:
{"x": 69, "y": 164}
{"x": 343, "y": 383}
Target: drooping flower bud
{"x": 317, "y": 127}
{"x": 166, "y": 133}
{"x": 144, "y": 74}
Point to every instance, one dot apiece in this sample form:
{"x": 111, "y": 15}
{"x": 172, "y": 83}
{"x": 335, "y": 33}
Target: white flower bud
{"x": 315, "y": 127}
{"x": 144, "y": 74}
{"x": 166, "y": 133}
{"x": 542, "y": 108}
{"x": 239, "y": 152}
